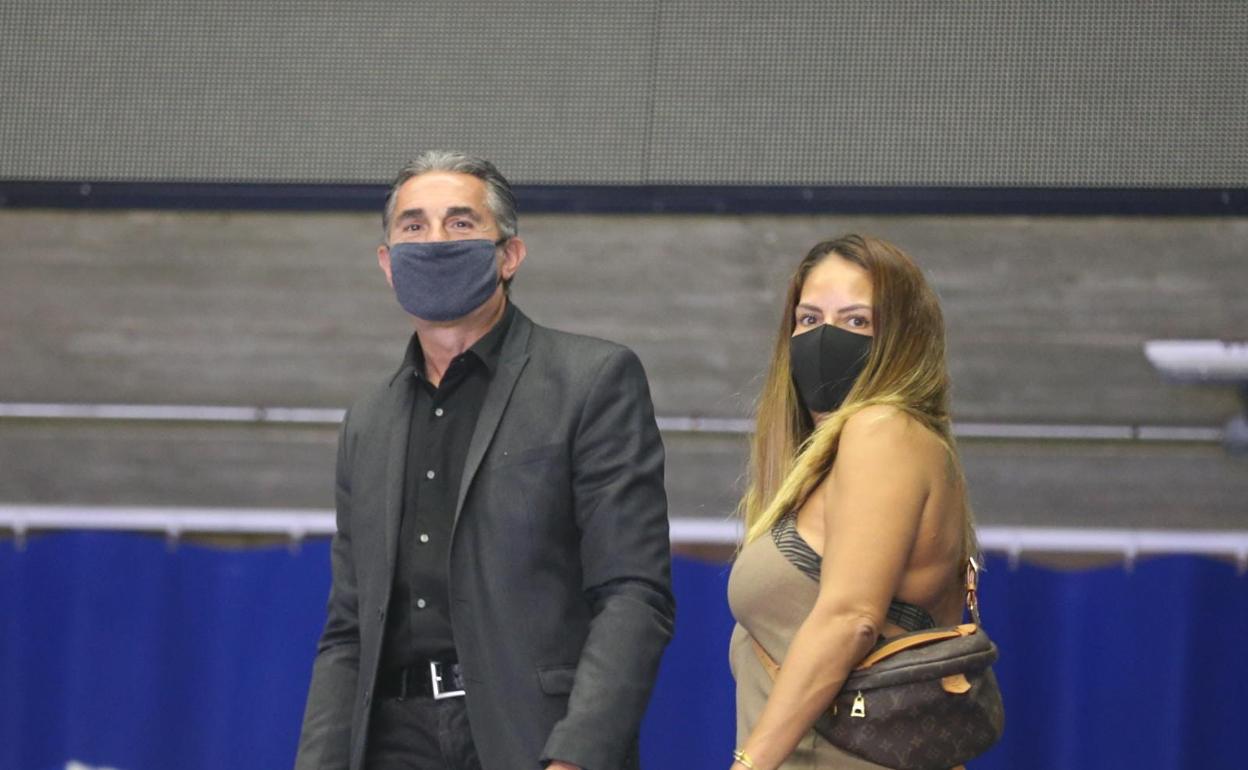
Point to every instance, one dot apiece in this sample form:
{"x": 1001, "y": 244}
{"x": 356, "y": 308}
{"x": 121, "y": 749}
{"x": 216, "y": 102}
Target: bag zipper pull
{"x": 860, "y": 706}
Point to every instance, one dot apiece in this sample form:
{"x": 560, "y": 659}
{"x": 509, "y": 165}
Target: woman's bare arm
{"x": 874, "y": 501}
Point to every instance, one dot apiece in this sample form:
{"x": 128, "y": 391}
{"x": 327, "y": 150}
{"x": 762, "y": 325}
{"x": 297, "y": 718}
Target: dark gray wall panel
{"x": 173, "y": 465}
{"x": 321, "y": 91}
{"x": 1106, "y": 484}
{"x": 1047, "y": 317}
{"x": 211, "y": 308}
{"x": 1066, "y": 93}
{"x": 791, "y": 92}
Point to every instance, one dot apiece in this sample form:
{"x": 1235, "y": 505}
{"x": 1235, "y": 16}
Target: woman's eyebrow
{"x": 856, "y": 306}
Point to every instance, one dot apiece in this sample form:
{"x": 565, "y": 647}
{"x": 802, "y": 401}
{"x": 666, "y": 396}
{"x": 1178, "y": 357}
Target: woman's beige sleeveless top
{"x": 770, "y": 597}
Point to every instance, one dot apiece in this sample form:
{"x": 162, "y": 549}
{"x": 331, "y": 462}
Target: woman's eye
{"x": 858, "y": 322}
{"x": 806, "y": 320}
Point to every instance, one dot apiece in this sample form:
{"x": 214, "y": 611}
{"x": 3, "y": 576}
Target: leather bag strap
{"x": 910, "y": 641}
{"x": 769, "y": 664}
{"x": 972, "y": 589}
{"x": 883, "y": 652}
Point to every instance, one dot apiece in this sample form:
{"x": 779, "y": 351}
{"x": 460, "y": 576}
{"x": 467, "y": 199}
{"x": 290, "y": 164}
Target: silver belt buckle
{"x": 436, "y": 680}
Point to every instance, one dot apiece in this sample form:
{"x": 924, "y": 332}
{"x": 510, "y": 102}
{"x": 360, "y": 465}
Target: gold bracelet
{"x": 743, "y": 758}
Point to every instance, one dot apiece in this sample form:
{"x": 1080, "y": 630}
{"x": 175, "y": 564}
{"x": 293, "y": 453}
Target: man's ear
{"x": 383, "y": 261}
{"x": 513, "y": 253}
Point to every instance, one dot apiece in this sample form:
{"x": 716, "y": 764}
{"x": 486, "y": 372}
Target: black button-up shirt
{"x": 443, "y": 419}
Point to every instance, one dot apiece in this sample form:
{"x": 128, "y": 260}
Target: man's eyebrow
{"x": 410, "y": 214}
{"x": 467, "y": 211}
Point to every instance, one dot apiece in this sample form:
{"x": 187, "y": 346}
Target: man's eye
{"x": 413, "y": 227}
{"x": 461, "y": 225}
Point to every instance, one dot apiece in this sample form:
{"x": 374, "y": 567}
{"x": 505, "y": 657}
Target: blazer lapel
{"x": 512, "y": 362}
{"x": 396, "y": 460}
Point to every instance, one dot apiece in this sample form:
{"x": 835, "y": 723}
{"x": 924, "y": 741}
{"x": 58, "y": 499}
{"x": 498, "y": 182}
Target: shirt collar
{"x": 490, "y": 347}
{"x": 488, "y": 350}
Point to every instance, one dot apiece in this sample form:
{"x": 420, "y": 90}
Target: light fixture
{"x": 1209, "y": 362}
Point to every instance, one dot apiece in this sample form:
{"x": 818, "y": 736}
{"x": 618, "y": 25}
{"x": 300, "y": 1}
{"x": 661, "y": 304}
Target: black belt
{"x": 426, "y": 679}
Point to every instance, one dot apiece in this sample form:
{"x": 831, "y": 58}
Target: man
{"x": 501, "y": 571}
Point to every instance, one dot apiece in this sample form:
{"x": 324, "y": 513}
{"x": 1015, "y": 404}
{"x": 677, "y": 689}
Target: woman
{"x": 857, "y": 525}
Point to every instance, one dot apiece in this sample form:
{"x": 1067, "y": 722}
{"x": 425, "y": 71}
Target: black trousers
{"x": 420, "y": 734}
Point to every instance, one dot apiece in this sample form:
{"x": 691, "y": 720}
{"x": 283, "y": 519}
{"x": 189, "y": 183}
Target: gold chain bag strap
{"x": 925, "y": 700}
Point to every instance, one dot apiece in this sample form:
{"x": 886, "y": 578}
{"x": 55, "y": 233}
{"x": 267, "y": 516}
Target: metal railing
{"x": 297, "y": 524}
{"x": 280, "y": 415}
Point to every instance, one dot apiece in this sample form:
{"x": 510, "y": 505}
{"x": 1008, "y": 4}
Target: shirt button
{"x": 430, "y": 474}
{"x": 420, "y": 603}
{"x": 438, "y": 412}
{"x": 424, "y": 538}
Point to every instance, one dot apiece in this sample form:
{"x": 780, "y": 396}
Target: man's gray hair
{"x": 498, "y": 195}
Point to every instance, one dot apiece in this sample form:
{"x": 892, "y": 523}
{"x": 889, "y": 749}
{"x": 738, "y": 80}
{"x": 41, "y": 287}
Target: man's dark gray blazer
{"x": 559, "y": 571}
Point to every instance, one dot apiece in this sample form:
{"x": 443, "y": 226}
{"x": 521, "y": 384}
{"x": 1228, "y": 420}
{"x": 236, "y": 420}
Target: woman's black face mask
{"x": 825, "y": 363}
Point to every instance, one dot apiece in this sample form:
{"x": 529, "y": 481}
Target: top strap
{"x": 972, "y": 589}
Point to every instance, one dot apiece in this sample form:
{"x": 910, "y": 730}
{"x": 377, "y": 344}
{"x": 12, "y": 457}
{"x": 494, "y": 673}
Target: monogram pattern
{"x": 917, "y": 725}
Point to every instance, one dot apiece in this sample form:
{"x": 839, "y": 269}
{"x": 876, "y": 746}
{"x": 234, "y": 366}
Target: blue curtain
{"x": 117, "y": 650}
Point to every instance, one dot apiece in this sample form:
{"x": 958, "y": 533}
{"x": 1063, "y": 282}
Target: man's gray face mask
{"x": 444, "y": 280}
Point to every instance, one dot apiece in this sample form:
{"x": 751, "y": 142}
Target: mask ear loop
{"x": 504, "y": 282}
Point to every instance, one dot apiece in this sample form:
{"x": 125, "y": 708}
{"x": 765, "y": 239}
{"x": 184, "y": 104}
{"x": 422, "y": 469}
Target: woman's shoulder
{"x": 889, "y": 429}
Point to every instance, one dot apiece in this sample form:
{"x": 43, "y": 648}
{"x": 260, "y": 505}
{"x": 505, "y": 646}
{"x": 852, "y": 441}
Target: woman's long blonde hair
{"x": 905, "y": 369}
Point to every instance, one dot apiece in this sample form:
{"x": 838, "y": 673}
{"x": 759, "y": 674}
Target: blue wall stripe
{"x": 118, "y": 651}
